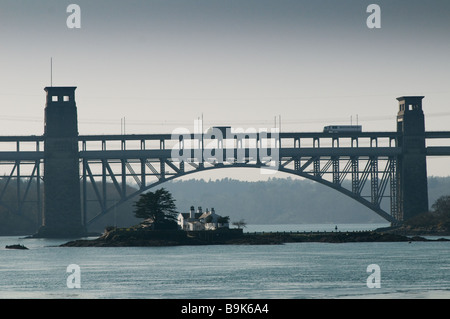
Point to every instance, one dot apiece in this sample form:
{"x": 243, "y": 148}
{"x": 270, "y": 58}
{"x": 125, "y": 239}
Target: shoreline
{"x": 145, "y": 238}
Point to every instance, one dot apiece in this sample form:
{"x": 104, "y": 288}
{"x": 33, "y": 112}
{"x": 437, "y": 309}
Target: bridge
{"x": 370, "y": 167}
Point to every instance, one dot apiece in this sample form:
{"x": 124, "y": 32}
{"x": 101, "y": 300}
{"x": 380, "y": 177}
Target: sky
{"x": 161, "y": 64}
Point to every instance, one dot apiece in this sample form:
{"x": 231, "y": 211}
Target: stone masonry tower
{"x": 412, "y": 164}
{"x": 62, "y": 199}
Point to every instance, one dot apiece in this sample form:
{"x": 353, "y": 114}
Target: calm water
{"x": 298, "y": 270}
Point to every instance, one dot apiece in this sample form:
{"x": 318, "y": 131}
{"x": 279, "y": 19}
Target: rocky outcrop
{"x": 126, "y": 238}
{"x": 16, "y": 246}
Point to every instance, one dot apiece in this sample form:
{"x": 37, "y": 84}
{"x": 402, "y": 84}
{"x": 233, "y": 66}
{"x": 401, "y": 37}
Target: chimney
{"x": 192, "y": 212}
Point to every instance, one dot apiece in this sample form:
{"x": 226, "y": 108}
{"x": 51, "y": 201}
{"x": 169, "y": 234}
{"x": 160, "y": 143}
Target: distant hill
{"x": 277, "y": 201}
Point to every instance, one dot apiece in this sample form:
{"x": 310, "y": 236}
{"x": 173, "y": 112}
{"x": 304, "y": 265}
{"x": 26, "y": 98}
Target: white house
{"x": 190, "y": 221}
{"x": 213, "y": 221}
{"x": 200, "y": 220}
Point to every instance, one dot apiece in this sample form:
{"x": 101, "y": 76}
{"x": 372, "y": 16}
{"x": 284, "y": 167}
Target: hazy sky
{"x": 163, "y": 63}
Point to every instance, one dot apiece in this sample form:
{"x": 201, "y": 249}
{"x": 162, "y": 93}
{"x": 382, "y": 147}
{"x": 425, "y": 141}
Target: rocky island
{"x": 16, "y": 246}
{"x": 126, "y": 237}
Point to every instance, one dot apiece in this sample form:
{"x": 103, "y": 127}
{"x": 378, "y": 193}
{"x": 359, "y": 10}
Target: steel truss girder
{"x": 22, "y": 182}
{"x": 380, "y": 177}
{"x": 306, "y": 163}
{"x": 149, "y": 172}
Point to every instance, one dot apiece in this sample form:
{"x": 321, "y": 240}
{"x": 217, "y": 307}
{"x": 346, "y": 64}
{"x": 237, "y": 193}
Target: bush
{"x": 442, "y": 205}
{"x": 440, "y": 216}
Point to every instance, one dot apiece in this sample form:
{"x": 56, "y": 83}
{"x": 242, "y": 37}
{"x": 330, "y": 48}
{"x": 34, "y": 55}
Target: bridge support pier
{"x": 412, "y": 164}
{"x": 62, "y": 199}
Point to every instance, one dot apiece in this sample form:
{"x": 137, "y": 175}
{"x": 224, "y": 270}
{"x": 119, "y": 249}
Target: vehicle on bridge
{"x": 342, "y": 128}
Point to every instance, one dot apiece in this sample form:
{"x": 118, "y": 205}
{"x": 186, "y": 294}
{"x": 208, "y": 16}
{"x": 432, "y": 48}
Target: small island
{"x": 138, "y": 237}
{"x": 16, "y": 246}
{"x": 163, "y": 226}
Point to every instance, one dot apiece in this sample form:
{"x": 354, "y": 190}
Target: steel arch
{"x": 337, "y": 187}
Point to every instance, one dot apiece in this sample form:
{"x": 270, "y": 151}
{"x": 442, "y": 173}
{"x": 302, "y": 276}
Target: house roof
{"x": 204, "y": 215}
{"x": 188, "y": 215}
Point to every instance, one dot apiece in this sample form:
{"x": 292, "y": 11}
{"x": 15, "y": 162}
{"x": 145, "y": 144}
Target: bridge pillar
{"x": 62, "y": 199}
{"x": 412, "y": 164}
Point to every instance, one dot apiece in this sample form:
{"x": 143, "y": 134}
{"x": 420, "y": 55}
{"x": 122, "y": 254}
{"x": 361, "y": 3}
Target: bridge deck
{"x": 438, "y": 151}
{"x": 288, "y": 143}
{"x": 41, "y": 138}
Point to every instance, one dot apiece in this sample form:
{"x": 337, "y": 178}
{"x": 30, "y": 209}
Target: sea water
{"x": 289, "y": 271}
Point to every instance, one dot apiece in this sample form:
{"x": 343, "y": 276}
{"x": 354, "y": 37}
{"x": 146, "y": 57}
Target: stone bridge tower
{"x": 62, "y": 199}
{"x": 412, "y": 164}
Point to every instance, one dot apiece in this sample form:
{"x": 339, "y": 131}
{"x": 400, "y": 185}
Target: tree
{"x": 439, "y": 217}
{"x": 442, "y": 205}
{"x": 240, "y": 224}
{"x": 159, "y": 206}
